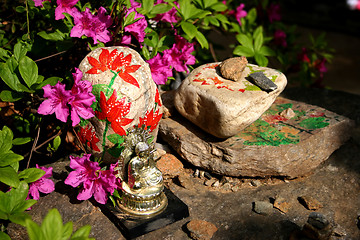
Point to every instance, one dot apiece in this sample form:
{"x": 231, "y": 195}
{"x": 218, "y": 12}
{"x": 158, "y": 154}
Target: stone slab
{"x": 133, "y": 227}
{"x": 271, "y": 146}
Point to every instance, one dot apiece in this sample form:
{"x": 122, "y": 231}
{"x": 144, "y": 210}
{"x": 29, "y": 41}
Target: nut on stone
{"x": 233, "y": 68}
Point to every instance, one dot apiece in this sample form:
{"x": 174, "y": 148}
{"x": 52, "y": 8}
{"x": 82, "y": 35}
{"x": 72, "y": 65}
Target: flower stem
{"x": 27, "y": 19}
{"x": 104, "y": 139}
{"x": 111, "y": 82}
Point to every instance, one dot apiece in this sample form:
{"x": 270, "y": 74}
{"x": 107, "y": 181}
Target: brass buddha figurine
{"x": 142, "y": 182}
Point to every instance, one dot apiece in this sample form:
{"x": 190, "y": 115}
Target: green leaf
{"x": 4, "y": 236}
{"x": 4, "y": 54}
{"x": 52, "y": 225}
{"x": 10, "y": 96}
{"x": 161, "y": 8}
{"x": 244, "y": 51}
{"x": 17, "y": 197}
{"x": 199, "y": 14}
{"x": 222, "y": 18}
{"x": 20, "y": 9}
{"x": 34, "y": 231}
{"x": 51, "y": 80}
{"x": 214, "y": 21}
{"x": 40, "y": 79}
{"x": 185, "y": 8}
{"x": 266, "y": 51}
{"x": 12, "y": 63}
{"x": 261, "y": 60}
{"x": 24, "y": 205}
{"x": 145, "y": 52}
{"x": 31, "y": 174}
{"x": 129, "y": 19}
{"x": 21, "y": 141}
{"x": 84, "y": 231}
{"x": 189, "y": 29}
{"x": 55, "y": 36}
{"x": 8, "y": 77}
{"x": 202, "y": 40}
{"x": 147, "y": 5}
{"x": 20, "y": 217}
{"x": 20, "y": 50}
{"x": 245, "y": 40}
{"x": 6, "y": 138}
{"x": 251, "y": 16}
{"x": 9, "y": 176}
{"x": 56, "y": 142}
{"x": 219, "y": 7}
{"x": 9, "y": 158}
{"x": 258, "y": 38}
{"x": 28, "y": 70}
{"x": 67, "y": 231}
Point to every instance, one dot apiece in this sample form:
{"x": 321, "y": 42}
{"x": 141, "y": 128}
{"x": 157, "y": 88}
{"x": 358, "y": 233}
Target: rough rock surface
{"x": 233, "y": 68}
{"x": 120, "y": 71}
{"x": 201, "y": 230}
{"x": 223, "y": 107}
{"x": 335, "y": 183}
{"x": 169, "y": 165}
{"x": 271, "y": 146}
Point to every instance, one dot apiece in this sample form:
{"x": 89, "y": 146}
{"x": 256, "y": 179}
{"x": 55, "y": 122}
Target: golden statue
{"x": 142, "y": 182}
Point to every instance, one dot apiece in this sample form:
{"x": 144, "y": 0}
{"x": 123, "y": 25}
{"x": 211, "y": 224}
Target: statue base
{"x": 142, "y": 206}
{"x": 133, "y": 226}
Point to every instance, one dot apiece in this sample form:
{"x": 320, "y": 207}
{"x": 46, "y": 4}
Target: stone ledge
{"x": 272, "y": 146}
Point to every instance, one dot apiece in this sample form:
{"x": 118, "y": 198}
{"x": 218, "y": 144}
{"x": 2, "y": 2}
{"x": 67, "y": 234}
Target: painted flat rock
{"x": 290, "y": 139}
{"x": 126, "y": 96}
{"x": 224, "y": 107}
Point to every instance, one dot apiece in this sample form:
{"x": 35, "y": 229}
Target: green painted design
{"x": 282, "y": 107}
{"x": 97, "y": 88}
{"x": 252, "y": 69}
{"x": 115, "y": 138}
{"x": 116, "y": 150}
{"x": 111, "y": 82}
{"x": 299, "y": 113}
{"x": 104, "y": 138}
{"x": 251, "y": 87}
{"x": 263, "y": 133}
{"x": 314, "y": 123}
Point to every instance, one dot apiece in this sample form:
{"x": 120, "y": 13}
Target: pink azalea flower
{"x": 91, "y": 25}
{"x": 274, "y": 12}
{"x": 160, "y": 69}
{"x": 135, "y": 4}
{"x": 320, "y": 66}
{"x": 82, "y": 99}
{"x": 180, "y": 54}
{"x": 95, "y": 182}
{"x": 57, "y": 98}
{"x": 280, "y": 38}
{"x": 303, "y": 56}
{"x": 38, "y": 3}
{"x": 137, "y": 29}
{"x": 64, "y": 6}
{"x": 240, "y": 13}
{"x": 99, "y": 187}
{"x": 169, "y": 16}
{"x": 43, "y": 184}
{"x": 85, "y": 170}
